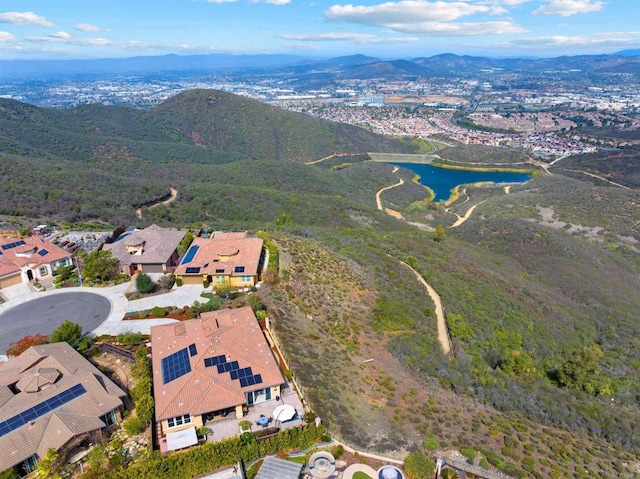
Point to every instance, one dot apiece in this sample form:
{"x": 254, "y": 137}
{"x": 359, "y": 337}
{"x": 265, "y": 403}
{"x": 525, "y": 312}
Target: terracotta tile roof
{"x": 228, "y": 256}
{"x": 68, "y": 369}
{"x": 232, "y": 333}
{"x": 34, "y": 252}
{"x": 157, "y": 245}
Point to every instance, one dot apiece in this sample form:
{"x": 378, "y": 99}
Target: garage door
{"x": 191, "y": 279}
{"x": 152, "y": 268}
{"x": 10, "y": 281}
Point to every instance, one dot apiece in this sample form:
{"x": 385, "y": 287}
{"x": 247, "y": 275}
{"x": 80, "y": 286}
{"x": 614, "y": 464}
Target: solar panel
{"x": 215, "y": 361}
{"x": 175, "y": 366}
{"x": 190, "y": 254}
{"x": 239, "y": 269}
{"x": 13, "y": 245}
{"x": 193, "y": 270}
{"x": 234, "y": 374}
{"x": 243, "y": 382}
{"x": 41, "y": 409}
{"x": 43, "y": 252}
{"x": 221, "y": 270}
{"x": 258, "y": 378}
{"x": 192, "y": 350}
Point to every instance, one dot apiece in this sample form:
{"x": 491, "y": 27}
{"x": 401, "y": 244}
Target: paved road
{"x": 43, "y": 315}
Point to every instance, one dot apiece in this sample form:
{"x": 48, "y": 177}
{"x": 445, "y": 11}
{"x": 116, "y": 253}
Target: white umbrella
{"x": 284, "y": 412}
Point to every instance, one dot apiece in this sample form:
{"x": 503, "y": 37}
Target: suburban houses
{"x": 223, "y": 260}
{"x": 52, "y": 397}
{"x": 29, "y": 259}
{"x": 150, "y": 250}
{"x": 209, "y": 368}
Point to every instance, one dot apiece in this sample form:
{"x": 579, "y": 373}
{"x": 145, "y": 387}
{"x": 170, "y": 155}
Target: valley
{"x": 528, "y": 275}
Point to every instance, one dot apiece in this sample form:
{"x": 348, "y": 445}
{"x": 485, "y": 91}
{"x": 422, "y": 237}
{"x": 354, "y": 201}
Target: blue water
{"x": 443, "y": 180}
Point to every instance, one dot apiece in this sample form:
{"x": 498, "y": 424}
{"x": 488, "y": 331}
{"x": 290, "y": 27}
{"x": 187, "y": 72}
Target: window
{"x": 43, "y": 271}
{"x": 220, "y": 280}
{"x": 110, "y": 418}
{"x": 246, "y": 279}
{"x": 179, "y": 420}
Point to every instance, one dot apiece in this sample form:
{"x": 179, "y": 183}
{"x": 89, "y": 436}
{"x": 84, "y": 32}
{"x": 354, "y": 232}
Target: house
{"x": 52, "y": 397}
{"x": 150, "y": 250}
{"x": 225, "y": 260}
{"x": 210, "y": 368}
{"x": 28, "y": 259}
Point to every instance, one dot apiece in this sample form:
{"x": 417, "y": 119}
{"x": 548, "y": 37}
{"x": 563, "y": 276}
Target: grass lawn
{"x": 361, "y": 475}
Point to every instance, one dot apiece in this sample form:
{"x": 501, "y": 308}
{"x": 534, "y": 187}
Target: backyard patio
{"x": 229, "y": 426}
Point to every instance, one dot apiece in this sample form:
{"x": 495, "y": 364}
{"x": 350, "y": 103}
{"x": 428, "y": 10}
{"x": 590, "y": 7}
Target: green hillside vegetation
{"x": 540, "y": 285}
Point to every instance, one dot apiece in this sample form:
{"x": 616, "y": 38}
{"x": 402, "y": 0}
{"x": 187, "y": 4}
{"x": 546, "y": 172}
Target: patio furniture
{"x": 263, "y": 421}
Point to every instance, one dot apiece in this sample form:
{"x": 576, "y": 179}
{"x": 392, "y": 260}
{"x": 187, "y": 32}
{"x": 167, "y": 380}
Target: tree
{"x": 21, "y": 345}
{"x": 581, "y": 368}
{"x": 144, "y": 283}
{"x": 439, "y": 234}
{"x": 49, "y": 466}
{"x": 68, "y": 331}
{"x": 99, "y": 266}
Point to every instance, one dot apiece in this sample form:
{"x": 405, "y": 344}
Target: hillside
{"x": 541, "y": 275}
{"x": 200, "y": 126}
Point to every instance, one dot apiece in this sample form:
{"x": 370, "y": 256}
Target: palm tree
{"x": 448, "y": 474}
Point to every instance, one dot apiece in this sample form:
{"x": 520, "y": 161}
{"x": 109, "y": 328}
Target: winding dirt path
{"x": 389, "y": 211}
{"x": 172, "y": 196}
{"x": 443, "y": 332}
{"x": 467, "y": 215}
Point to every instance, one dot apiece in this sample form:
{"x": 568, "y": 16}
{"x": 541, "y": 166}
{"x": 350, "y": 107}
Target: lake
{"x": 443, "y": 180}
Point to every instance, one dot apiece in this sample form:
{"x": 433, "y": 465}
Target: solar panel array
{"x": 192, "y": 270}
{"x": 12, "y": 245}
{"x": 190, "y": 254}
{"x": 239, "y": 269}
{"x": 43, "y": 252}
{"x": 221, "y": 270}
{"x": 244, "y": 375}
{"x": 41, "y": 409}
{"x": 175, "y": 365}
{"x": 192, "y": 350}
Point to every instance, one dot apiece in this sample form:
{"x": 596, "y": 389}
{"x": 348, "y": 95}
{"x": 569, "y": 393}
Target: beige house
{"x": 225, "y": 260}
{"x": 150, "y": 250}
{"x": 210, "y": 368}
{"x": 52, "y": 397}
{"x": 29, "y": 259}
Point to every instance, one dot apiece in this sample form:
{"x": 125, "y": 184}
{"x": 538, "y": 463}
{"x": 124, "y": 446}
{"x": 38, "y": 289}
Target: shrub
{"x": 144, "y": 283}
{"x": 430, "y": 444}
{"x": 68, "y": 331}
{"x": 142, "y": 314}
{"x": 21, "y": 345}
{"x": 133, "y": 425}
{"x": 166, "y": 282}
{"x": 205, "y": 283}
{"x": 179, "y": 281}
{"x": 468, "y": 453}
{"x": 418, "y": 465}
{"x": 85, "y": 343}
{"x": 129, "y": 339}
{"x": 159, "y": 311}
{"x": 338, "y": 451}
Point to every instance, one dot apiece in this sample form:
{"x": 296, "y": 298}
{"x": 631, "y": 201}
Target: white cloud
{"x": 24, "y": 18}
{"x": 88, "y": 27}
{"x": 220, "y": 1}
{"x": 565, "y": 8}
{"x": 6, "y": 37}
{"x": 424, "y": 17}
{"x": 600, "y": 39}
{"x": 363, "y": 38}
{"x": 64, "y": 38}
{"x": 277, "y": 2}
{"x": 60, "y": 35}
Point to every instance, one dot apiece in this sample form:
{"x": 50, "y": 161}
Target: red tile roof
{"x": 232, "y": 333}
{"x": 29, "y": 254}
{"x": 218, "y": 257}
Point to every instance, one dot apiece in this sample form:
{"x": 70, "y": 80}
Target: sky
{"x": 80, "y": 29}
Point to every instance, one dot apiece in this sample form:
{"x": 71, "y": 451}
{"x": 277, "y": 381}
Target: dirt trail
{"x": 379, "y": 201}
{"x": 172, "y": 196}
{"x": 443, "y": 332}
{"x": 333, "y": 155}
{"x": 467, "y": 215}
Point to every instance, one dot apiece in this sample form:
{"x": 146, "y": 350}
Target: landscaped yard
{"x": 361, "y": 475}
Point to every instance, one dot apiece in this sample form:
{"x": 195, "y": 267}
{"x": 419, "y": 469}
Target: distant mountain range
{"x": 354, "y": 66}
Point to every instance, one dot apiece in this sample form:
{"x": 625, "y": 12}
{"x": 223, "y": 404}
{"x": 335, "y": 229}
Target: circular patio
{"x": 44, "y": 315}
